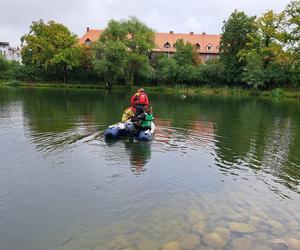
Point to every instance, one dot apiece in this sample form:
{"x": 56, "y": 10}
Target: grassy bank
{"x": 177, "y": 89}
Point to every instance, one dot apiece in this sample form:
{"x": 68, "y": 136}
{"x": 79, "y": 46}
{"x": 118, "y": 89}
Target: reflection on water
{"x": 221, "y": 173}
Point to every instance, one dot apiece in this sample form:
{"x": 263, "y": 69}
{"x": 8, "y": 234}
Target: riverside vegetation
{"x": 260, "y": 53}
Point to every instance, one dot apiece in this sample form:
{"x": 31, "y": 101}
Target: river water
{"x": 221, "y": 173}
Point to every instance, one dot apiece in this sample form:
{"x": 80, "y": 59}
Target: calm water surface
{"x": 222, "y": 173}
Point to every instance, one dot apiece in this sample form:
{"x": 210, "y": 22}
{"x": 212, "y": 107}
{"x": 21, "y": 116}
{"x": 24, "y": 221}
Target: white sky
{"x": 161, "y": 15}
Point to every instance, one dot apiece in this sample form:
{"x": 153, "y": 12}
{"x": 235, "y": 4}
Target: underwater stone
{"x": 214, "y": 240}
{"x": 172, "y": 245}
{"x": 293, "y": 243}
{"x": 241, "y": 244}
{"x": 189, "y": 241}
{"x": 241, "y": 227}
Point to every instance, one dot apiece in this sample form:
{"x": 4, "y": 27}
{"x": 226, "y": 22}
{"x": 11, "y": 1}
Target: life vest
{"x": 146, "y": 123}
{"x": 142, "y": 99}
{"x": 128, "y": 114}
{"x": 139, "y": 98}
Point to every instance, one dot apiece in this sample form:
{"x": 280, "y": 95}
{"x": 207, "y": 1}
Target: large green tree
{"x": 51, "y": 45}
{"x": 267, "y": 59}
{"x": 292, "y": 12}
{"x": 235, "y": 38}
{"x": 123, "y": 50}
{"x": 186, "y": 54}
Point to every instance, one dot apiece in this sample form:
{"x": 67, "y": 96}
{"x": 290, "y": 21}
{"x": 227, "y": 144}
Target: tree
{"x": 210, "y": 73}
{"x": 110, "y": 59}
{"x": 235, "y": 38}
{"x": 123, "y": 50}
{"x": 166, "y": 69}
{"x": 254, "y": 74}
{"x": 140, "y": 42}
{"x": 292, "y": 12}
{"x": 51, "y": 45}
{"x": 186, "y": 54}
{"x": 271, "y": 35}
{"x": 267, "y": 45}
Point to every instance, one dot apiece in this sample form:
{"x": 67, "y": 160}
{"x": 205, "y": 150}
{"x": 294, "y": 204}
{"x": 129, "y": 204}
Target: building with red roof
{"x": 208, "y": 45}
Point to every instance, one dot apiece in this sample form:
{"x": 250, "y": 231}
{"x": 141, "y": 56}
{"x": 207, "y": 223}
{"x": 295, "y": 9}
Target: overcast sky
{"x": 161, "y": 15}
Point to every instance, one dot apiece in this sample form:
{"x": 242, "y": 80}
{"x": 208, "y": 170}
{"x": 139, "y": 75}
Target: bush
{"x": 211, "y": 73}
{"x": 277, "y": 93}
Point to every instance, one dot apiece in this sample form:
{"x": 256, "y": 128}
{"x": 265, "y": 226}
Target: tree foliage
{"x": 123, "y": 51}
{"x": 51, "y": 45}
{"x": 235, "y": 38}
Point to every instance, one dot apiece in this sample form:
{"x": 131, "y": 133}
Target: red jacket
{"x": 139, "y": 98}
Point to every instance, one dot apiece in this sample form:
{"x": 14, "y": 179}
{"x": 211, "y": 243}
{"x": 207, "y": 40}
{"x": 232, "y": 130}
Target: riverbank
{"x": 177, "y": 89}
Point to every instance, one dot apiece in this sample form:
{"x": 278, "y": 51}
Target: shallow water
{"x": 221, "y": 173}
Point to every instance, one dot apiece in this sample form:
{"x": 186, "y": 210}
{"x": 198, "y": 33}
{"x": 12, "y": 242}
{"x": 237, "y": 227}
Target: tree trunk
{"x": 65, "y": 74}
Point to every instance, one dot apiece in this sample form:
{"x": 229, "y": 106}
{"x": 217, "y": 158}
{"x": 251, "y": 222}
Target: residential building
{"x": 10, "y": 53}
{"x": 14, "y": 54}
{"x": 206, "y": 44}
{"x": 4, "y": 48}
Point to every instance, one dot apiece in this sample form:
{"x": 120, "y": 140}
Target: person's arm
{"x": 138, "y": 118}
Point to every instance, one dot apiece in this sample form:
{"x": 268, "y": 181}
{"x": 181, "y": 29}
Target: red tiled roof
{"x": 93, "y": 35}
{"x": 162, "y": 38}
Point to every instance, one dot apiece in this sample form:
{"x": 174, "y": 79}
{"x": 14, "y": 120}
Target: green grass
{"x": 181, "y": 89}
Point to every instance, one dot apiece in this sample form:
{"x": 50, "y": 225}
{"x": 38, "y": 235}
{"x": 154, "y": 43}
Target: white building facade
{"x": 4, "y": 48}
{"x": 11, "y": 54}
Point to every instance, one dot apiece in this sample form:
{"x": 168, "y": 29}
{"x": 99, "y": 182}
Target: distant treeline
{"x": 261, "y": 52}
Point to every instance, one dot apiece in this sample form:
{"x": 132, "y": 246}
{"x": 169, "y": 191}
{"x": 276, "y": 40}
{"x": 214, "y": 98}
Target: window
{"x": 209, "y": 47}
{"x": 88, "y": 42}
{"x": 218, "y": 48}
{"x": 197, "y": 46}
{"x": 167, "y": 45}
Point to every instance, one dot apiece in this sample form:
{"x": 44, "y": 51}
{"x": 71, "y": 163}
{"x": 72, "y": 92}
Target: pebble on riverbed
{"x": 172, "y": 245}
{"x": 214, "y": 240}
{"x": 241, "y": 227}
{"x": 241, "y": 243}
{"x": 189, "y": 241}
{"x": 194, "y": 216}
{"x": 294, "y": 243}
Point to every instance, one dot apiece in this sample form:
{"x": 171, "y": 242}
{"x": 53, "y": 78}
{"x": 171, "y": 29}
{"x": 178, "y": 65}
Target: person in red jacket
{"x": 139, "y": 98}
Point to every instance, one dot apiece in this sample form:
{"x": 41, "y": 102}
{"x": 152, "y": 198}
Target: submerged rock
{"x": 277, "y": 227}
{"x": 241, "y": 227}
{"x": 200, "y": 227}
{"x": 172, "y": 245}
{"x": 261, "y": 237}
{"x": 118, "y": 243}
{"x": 205, "y": 248}
{"x": 147, "y": 245}
{"x": 293, "y": 243}
{"x": 214, "y": 240}
{"x": 194, "y": 216}
{"x": 189, "y": 241}
{"x": 224, "y": 233}
{"x": 242, "y": 243}
{"x": 260, "y": 247}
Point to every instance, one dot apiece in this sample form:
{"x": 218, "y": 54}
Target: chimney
{"x": 171, "y": 32}
{"x": 87, "y": 29}
{"x": 191, "y": 33}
